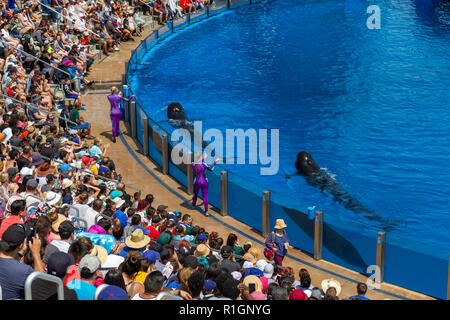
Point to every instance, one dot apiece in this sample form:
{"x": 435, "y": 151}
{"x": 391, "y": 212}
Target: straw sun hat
{"x": 331, "y": 283}
{"x": 137, "y": 240}
{"x": 279, "y": 224}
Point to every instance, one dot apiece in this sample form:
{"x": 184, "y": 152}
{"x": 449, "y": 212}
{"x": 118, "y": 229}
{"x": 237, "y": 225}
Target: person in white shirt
{"x": 85, "y": 211}
{"x": 65, "y": 231}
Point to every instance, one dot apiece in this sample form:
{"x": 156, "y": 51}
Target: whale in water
{"x": 307, "y": 167}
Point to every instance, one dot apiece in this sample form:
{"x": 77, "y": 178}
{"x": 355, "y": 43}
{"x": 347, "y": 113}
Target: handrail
{"x": 34, "y": 196}
{"x": 28, "y": 105}
{"x": 66, "y": 205}
{"x": 47, "y": 277}
{"x": 1, "y": 293}
{"x": 78, "y": 219}
{"x": 82, "y": 170}
{"x": 99, "y": 289}
{"x": 101, "y": 215}
{"x": 167, "y": 296}
{"x": 7, "y": 45}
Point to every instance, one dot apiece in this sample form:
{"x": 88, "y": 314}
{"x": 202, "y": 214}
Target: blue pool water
{"x": 371, "y": 106}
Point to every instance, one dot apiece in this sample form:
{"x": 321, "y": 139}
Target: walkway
{"x": 137, "y": 170}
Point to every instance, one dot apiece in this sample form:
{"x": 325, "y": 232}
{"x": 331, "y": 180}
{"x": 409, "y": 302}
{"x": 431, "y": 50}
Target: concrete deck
{"x": 139, "y": 171}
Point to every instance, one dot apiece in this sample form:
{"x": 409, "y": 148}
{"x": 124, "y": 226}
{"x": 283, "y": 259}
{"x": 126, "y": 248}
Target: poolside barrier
{"x": 233, "y": 195}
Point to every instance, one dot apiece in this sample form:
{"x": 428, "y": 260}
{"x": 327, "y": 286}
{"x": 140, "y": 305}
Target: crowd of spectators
{"x": 64, "y": 210}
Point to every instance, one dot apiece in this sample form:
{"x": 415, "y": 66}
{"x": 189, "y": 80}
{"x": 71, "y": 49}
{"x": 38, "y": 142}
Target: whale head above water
{"x": 305, "y": 164}
{"x": 175, "y": 111}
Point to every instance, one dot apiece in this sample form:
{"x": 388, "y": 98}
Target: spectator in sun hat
{"x": 278, "y": 241}
{"x": 331, "y": 283}
{"x": 112, "y": 292}
{"x": 201, "y": 251}
{"x": 53, "y": 198}
{"x": 57, "y": 265}
{"x": 89, "y": 270}
{"x": 138, "y": 241}
{"x": 43, "y": 171}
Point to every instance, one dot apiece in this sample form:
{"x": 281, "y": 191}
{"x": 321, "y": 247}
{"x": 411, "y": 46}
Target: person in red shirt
{"x": 18, "y": 213}
{"x": 154, "y": 227}
{"x": 187, "y": 5}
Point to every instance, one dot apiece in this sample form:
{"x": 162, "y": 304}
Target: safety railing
{"x": 102, "y": 216}
{"x": 46, "y": 277}
{"x": 99, "y": 289}
{"x": 310, "y": 230}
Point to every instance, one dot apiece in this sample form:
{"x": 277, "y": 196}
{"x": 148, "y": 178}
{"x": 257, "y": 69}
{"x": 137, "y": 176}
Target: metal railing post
{"x": 381, "y": 254}
{"x": 145, "y": 135}
{"x": 228, "y": 4}
{"x": 132, "y": 54}
{"x": 189, "y": 18}
{"x": 266, "y": 213}
{"x": 126, "y": 103}
{"x": 318, "y": 235}
{"x": 46, "y": 277}
{"x": 165, "y": 153}
{"x": 133, "y": 119}
{"x": 103, "y": 216}
{"x": 99, "y": 289}
{"x": 224, "y": 193}
{"x": 207, "y": 11}
{"x": 77, "y": 211}
{"x": 156, "y": 35}
{"x": 190, "y": 174}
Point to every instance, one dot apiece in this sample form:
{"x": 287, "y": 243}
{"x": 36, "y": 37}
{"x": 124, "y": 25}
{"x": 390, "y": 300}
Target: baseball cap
{"x": 145, "y": 231}
{"x": 209, "y": 285}
{"x": 12, "y": 171}
{"x": 65, "y": 167}
{"x": 226, "y": 249}
{"x": 112, "y": 292}
{"x": 164, "y": 238}
{"x": 190, "y": 262}
{"x": 298, "y": 294}
{"x": 91, "y": 262}
{"x": 151, "y": 256}
{"x": 13, "y": 236}
{"x": 58, "y": 263}
{"x": 115, "y": 194}
{"x": 66, "y": 227}
{"x": 87, "y": 160}
{"x": 32, "y": 183}
{"x": 202, "y": 237}
{"x": 253, "y": 272}
{"x": 268, "y": 270}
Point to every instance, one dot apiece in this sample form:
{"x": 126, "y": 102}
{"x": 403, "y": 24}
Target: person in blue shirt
{"x": 361, "y": 289}
{"x": 89, "y": 270}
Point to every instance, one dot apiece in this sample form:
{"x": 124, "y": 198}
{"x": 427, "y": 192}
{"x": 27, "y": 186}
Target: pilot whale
{"x": 307, "y": 167}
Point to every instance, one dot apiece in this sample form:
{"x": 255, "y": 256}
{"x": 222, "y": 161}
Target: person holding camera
{"x": 14, "y": 273}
